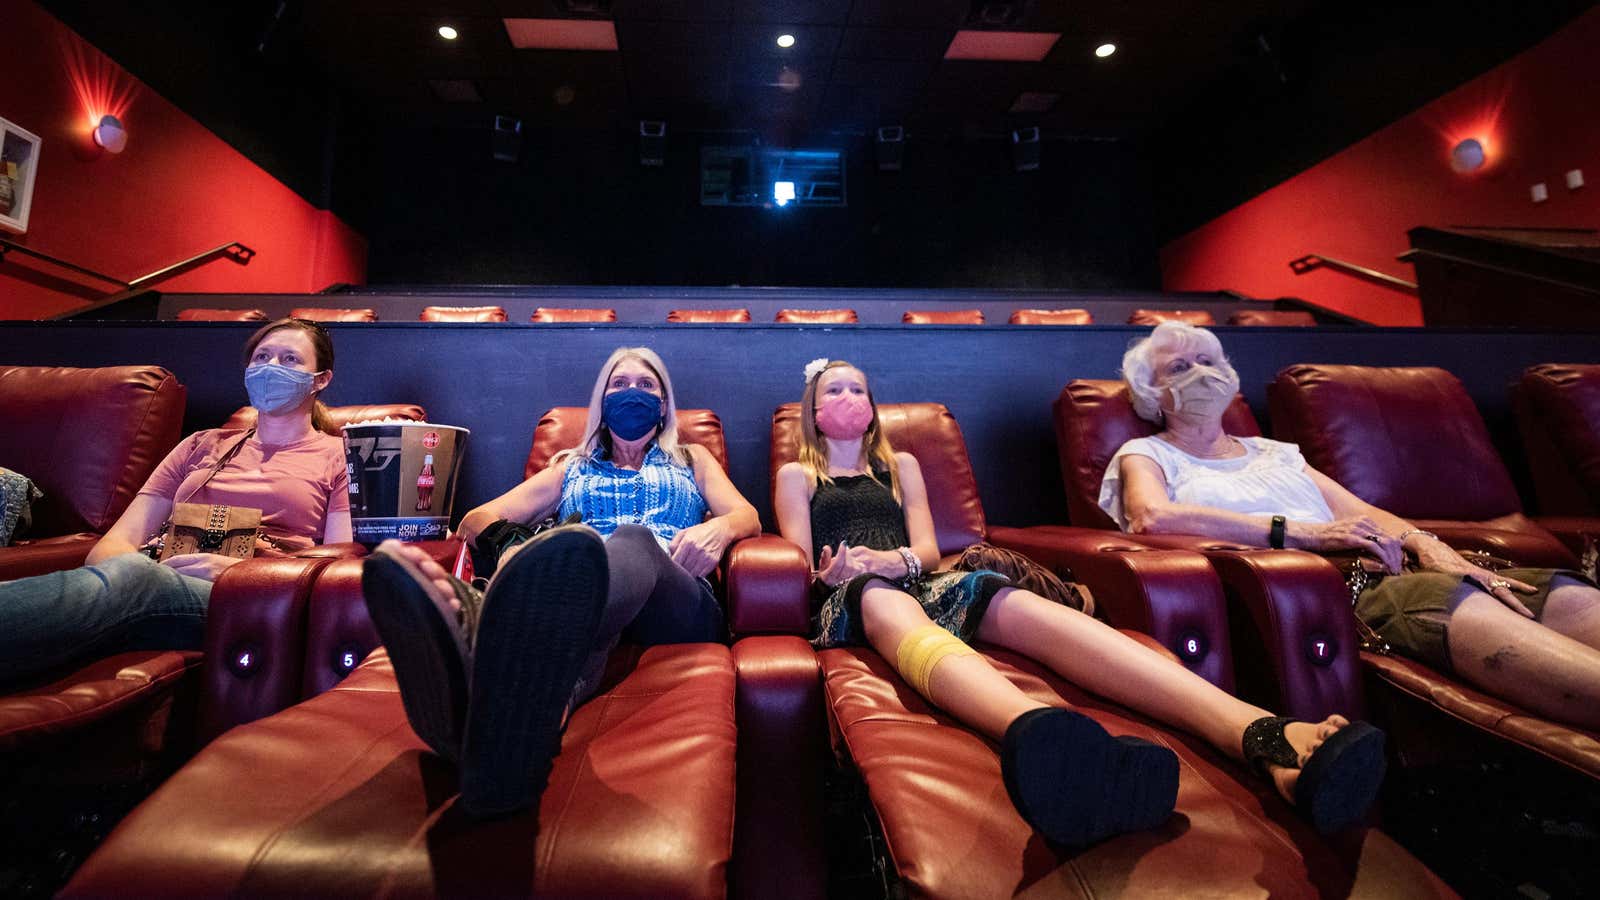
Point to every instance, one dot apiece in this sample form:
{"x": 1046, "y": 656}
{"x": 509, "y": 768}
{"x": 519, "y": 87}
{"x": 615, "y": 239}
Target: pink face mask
{"x": 844, "y": 417}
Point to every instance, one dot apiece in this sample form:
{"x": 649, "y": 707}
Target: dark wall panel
{"x": 999, "y": 382}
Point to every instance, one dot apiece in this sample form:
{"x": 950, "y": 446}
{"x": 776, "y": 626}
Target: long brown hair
{"x": 321, "y": 346}
{"x": 813, "y": 455}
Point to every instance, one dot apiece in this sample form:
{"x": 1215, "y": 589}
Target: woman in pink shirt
{"x": 287, "y": 466}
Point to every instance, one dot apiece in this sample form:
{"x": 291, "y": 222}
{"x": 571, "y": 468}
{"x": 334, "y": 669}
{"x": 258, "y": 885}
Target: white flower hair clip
{"x": 815, "y": 367}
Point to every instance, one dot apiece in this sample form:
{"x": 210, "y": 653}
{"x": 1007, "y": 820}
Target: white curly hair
{"x": 1138, "y": 364}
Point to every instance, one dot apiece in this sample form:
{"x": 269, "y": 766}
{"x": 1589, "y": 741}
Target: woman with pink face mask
{"x": 1531, "y": 635}
{"x": 860, "y": 511}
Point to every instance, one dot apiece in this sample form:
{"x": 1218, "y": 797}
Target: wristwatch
{"x": 1275, "y": 534}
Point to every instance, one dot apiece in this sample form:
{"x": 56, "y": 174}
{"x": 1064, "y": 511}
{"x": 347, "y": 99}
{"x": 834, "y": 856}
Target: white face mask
{"x": 1203, "y": 391}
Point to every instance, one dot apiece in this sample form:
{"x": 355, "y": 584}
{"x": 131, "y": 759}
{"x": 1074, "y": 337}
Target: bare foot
{"x": 1305, "y": 738}
{"x": 435, "y": 580}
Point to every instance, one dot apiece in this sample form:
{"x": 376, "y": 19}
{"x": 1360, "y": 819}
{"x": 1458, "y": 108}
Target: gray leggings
{"x": 652, "y": 600}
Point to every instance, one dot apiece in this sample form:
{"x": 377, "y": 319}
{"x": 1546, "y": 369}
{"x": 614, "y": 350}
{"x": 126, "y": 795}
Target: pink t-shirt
{"x": 296, "y": 486}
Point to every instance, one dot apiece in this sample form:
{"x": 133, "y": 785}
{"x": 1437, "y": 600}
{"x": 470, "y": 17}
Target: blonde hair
{"x": 813, "y": 455}
{"x": 1139, "y": 363}
{"x": 596, "y": 434}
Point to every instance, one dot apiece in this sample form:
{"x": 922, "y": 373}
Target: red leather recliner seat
{"x": 942, "y": 317}
{"x": 463, "y": 314}
{"x": 817, "y": 316}
{"x": 1557, "y": 407}
{"x": 202, "y": 314}
{"x": 572, "y": 314}
{"x": 331, "y": 314}
{"x": 1272, "y": 317}
{"x": 336, "y": 796}
{"x": 1051, "y": 317}
{"x": 1157, "y": 316}
{"x": 936, "y": 787}
{"x": 712, "y": 316}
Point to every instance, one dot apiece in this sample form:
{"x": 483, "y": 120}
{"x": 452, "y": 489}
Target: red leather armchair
{"x": 709, "y": 315}
{"x": 554, "y": 314}
{"x": 1557, "y": 407}
{"x": 340, "y": 416}
{"x": 202, "y": 314}
{"x": 1272, "y": 317}
{"x": 1157, "y": 316}
{"x": 817, "y": 316}
{"x": 463, "y": 314}
{"x": 88, "y": 438}
{"x": 1051, "y": 317}
{"x": 1410, "y": 440}
{"x": 641, "y": 800}
{"x": 942, "y": 317}
{"x": 334, "y": 314}
{"x": 936, "y": 787}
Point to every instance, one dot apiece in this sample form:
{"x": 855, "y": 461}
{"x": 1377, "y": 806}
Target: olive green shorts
{"x": 1412, "y": 611}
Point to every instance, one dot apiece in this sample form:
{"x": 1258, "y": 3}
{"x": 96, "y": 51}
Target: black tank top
{"x": 859, "y": 510}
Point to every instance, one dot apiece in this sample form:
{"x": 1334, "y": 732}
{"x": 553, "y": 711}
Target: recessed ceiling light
{"x": 1105, "y": 50}
{"x": 785, "y": 40}
{"x": 448, "y": 33}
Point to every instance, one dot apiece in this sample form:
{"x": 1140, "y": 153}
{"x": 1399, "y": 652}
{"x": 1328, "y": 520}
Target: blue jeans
{"x": 128, "y": 602}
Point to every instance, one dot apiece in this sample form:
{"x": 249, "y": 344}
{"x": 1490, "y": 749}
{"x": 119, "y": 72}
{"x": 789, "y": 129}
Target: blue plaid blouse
{"x": 662, "y": 495}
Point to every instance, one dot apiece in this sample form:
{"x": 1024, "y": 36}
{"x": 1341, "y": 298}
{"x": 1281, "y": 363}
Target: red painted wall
{"x": 1536, "y": 117}
{"x": 176, "y": 190}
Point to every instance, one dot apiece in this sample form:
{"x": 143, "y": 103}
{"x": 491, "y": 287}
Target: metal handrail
{"x": 1313, "y": 261}
{"x": 232, "y": 251}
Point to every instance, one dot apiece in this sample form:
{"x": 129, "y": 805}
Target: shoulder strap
{"x": 217, "y": 466}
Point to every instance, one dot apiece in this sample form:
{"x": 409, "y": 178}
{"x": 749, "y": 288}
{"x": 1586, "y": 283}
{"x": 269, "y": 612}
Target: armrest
{"x": 332, "y": 551}
{"x": 45, "y": 555}
{"x": 1172, "y": 595}
{"x": 1525, "y": 544}
{"x": 769, "y": 585}
{"x": 777, "y": 840}
{"x": 1294, "y": 634}
{"x": 1576, "y": 532}
{"x": 255, "y": 641}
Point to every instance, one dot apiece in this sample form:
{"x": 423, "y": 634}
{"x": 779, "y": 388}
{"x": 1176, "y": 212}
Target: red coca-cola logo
{"x": 430, "y": 440}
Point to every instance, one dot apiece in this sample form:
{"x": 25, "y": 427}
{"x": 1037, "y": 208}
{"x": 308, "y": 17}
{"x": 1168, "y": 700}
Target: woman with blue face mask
{"x": 286, "y": 466}
{"x": 488, "y": 678}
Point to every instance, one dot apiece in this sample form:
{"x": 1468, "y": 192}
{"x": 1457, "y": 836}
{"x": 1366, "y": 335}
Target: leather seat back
{"x": 1051, "y": 317}
{"x": 818, "y": 316}
{"x": 330, "y": 314}
{"x": 1273, "y": 317}
{"x": 942, "y": 317}
{"x": 1157, "y": 316}
{"x": 1093, "y": 419}
{"x": 563, "y": 426}
{"x": 201, "y": 314}
{"x": 340, "y": 416}
{"x": 928, "y": 432}
{"x": 87, "y": 437}
{"x": 463, "y": 314}
{"x": 1557, "y": 406}
{"x": 709, "y": 315}
{"x": 572, "y": 314}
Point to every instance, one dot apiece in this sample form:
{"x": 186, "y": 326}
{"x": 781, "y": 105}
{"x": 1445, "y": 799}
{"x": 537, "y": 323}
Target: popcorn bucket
{"x": 402, "y": 478}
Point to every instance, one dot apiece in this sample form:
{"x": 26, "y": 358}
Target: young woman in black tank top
{"x": 860, "y": 511}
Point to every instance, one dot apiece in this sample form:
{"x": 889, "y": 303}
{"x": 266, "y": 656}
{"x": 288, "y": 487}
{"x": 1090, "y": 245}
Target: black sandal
{"x": 429, "y": 645}
{"x": 1076, "y": 784}
{"x": 1340, "y": 781}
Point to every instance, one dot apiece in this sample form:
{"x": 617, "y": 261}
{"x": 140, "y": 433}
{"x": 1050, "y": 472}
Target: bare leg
{"x": 1573, "y": 609}
{"x": 967, "y": 687}
{"x": 1098, "y": 658}
{"x": 1524, "y": 661}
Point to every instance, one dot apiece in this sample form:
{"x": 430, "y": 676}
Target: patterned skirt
{"x": 955, "y": 601}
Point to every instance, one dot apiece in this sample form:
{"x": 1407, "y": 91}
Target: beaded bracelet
{"x": 1410, "y": 531}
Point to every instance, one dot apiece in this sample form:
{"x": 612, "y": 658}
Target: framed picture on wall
{"x": 19, "y": 162}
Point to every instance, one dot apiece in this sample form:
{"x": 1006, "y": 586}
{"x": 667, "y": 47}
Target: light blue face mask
{"x": 275, "y": 388}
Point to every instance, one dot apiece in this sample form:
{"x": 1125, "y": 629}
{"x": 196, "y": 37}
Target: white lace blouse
{"x": 1269, "y": 479}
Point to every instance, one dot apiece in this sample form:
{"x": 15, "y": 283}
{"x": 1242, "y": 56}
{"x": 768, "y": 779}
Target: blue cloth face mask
{"x": 275, "y": 388}
{"x": 631, "y": 413}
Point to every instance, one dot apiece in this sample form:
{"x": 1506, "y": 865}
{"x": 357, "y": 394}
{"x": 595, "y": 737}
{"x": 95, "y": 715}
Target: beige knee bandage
{"x": 921, "y": 650}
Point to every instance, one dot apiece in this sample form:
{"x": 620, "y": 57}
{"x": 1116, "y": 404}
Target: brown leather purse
{"x": 1027, "y": 575}
{"x": 211, "y": 527}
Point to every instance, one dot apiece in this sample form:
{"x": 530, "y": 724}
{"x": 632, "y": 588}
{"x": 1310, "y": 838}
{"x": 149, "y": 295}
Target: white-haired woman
{"x": 487, "y": 679}
{"x": 860, "y": 510}
{"x": 1531, "y": 635}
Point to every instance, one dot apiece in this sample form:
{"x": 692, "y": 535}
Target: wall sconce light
{"x": 1468, "y": 156}
{"x": 110, "y": 134}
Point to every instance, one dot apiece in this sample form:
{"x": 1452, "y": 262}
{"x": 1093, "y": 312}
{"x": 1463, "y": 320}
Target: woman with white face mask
{"x": 284, "y": 466}
{"x": 1531, "y": 635}
{"x": 860, "y": 510}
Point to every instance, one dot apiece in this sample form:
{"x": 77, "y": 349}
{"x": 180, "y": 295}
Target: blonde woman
{"x": 861, "y": 511}
{"x": 487, "y": 679}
